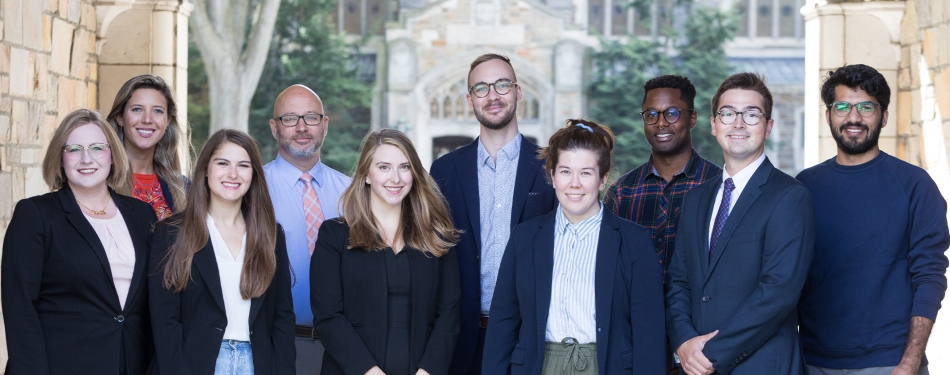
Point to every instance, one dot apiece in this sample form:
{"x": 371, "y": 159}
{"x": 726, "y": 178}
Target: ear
{"x": 518, "y": 87}
{"x": 693, "y": 119}
{"x": 884, "y": 119}
{"x": 768, "y": 128}
{"x": 468, "y": 98}
{"x": 273, "y": 128}
{"x": 712, "y": 124}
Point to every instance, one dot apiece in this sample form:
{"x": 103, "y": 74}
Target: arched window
{"x": 447, "y": 108}
{"x": 434, "y": 108}
{"x": 522, "y": 110}
{"x": 535, "y": 113}
{"x": 460, "y": 109}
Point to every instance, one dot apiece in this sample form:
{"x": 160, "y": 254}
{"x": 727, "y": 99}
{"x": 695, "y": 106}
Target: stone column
{"x": 839, "y": 32}
{"x": 144, "y": 36}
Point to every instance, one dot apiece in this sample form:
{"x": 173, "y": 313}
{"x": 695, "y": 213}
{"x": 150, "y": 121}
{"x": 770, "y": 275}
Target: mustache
{"x": 495, "y": 102}
{"x": 861, "y": 125}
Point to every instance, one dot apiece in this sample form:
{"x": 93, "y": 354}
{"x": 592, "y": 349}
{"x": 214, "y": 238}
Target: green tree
{"x": 621, "y": 67}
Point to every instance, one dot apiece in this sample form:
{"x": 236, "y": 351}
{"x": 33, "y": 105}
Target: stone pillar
{"x": 839, "y": 32}
{"x": 144, "y": 36}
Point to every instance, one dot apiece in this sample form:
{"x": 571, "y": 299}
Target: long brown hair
{"x": 425, "y": 215}
{"x": 166, "y": 162}
{"x": 259, "y": 259}
{"x": 53, "y": 172}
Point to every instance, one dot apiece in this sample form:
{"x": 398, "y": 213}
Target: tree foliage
{"x": 621, "y": 67}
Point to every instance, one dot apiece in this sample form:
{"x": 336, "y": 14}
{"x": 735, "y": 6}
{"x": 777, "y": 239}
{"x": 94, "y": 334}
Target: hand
{"x": 905, "y": 369}
{"x": 422, "y": 372}
{"x": 375, "y": 371}
{"x": 691, "y": 355}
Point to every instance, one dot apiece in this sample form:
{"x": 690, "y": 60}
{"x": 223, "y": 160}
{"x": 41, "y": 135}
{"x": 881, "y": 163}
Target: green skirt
{"x": 569, "y": 357}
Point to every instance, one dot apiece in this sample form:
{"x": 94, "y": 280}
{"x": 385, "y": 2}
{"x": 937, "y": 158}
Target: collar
{"x": 562, "y": 225}
{"x": 690, "y": 169}
{"x": 510, "y": 151}
{"x": 291, "y": 175}
{"x": 742, "y": 178}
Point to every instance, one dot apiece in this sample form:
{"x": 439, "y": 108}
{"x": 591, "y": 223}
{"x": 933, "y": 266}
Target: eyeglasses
{"x": 481, "y": 89}
{"x": 96, "y": 150}
{"x": 312, "y": 119}
{"x": 728, "y": 116}
{"x": 843, "y": 109}
{"x": 672, "y": 115}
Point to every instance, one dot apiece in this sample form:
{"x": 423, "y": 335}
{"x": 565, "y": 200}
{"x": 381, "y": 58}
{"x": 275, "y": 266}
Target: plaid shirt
{"x": 642, "y": 196}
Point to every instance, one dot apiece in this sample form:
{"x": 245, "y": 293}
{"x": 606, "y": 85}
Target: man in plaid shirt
{"x": 651, "y": 195}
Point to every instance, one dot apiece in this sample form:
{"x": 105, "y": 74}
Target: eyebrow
{"x": 229, "y": 160}
{"x": 748, "y": 107}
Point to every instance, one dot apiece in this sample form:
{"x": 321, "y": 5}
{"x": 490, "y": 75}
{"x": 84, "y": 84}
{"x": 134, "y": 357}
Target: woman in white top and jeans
{"x": 220, "y": 279}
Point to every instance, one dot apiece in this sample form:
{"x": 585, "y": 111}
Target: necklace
{"x": 94, "y": 211}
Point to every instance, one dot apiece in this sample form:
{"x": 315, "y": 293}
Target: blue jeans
{"x": 234, "y": 358}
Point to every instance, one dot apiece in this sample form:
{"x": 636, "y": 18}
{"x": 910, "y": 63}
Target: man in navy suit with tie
{"x": 744, "y": 245}
{"x": 490, "y": 185}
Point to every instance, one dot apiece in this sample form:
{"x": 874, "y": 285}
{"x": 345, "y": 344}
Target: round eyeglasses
{"x": 672, "y": 115}
{"x": 728, "y": 116}
{"x": 96, "y": 150}
{"x": 312, "y": 119}
{"x": 502, "y": 87}
{"x": 843, "y": 109}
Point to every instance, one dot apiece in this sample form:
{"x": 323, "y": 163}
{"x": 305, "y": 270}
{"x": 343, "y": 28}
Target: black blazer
{"x": 60, "y": 306}
{"x": 348, "y": 296}
{"x": 189, "y": 326}
{"x": 456, "y": 173}
{"x": 628, "y": 288}
{"x": 749, "y": 289}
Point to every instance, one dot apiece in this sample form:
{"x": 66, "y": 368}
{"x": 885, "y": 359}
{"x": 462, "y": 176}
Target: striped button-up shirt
{"x": 643, "y": 197}
{"x": 573, "y": 311}
{"x": 496, "y": 189}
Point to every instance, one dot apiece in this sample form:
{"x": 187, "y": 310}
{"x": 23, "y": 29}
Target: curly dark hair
{"x": 687, "y": 90}
{"x": 857, "y": 76}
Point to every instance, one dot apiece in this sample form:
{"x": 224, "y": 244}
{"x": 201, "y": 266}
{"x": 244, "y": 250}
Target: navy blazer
{"x": 348, "y": 296}
{"x": 60, "y": 306}
{"x": 750, "y": 288}
{"x": 456, "y": 174}
{"x": 189, "y": 326}
{"x": 629, "y": 300}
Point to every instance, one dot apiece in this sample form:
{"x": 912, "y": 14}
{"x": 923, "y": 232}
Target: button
{"x": 705, "y": 298}
{"x": 120, "y": 318}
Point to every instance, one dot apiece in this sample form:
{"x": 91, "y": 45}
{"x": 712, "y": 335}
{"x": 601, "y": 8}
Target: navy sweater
{"x": 879, "y": 259}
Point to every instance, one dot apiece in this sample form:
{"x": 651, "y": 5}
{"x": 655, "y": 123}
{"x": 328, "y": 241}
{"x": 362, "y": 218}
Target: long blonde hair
{"x": 427, "y": 225}
{"x": 260, "y": 261}
{"x": 166, "y": 161}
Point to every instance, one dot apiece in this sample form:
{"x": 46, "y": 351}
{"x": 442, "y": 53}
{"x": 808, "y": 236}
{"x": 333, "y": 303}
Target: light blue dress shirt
{"x": 286, "y": 191}
{"x": 573, "y": 309}
{"x": 496, "y": 189}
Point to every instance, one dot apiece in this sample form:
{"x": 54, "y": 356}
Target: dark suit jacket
{"x": 750, "y": 288}
{"x": 456, "y": 174}
{"x": 189, "y": 326}
{"x": 348, "y": 296}
{"x": 60, "y": 306}
{"x": 629, "y": 300}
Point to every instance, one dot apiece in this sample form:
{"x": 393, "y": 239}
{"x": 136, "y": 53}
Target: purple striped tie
{"x": 721, "y": 215}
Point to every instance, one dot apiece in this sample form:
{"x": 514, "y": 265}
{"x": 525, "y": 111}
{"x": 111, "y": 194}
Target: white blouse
{"x": 237, "y": 309}
{"x": 115, "y": 238}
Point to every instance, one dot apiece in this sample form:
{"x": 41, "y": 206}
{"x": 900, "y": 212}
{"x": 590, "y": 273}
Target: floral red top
{"x": 147, "y": 189}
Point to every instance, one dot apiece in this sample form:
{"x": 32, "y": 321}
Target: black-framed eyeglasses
{"x": 843, "y": 109}
{"x": 672, "y": 115}
{"x": 728, "y": 116}
{"x": 502, "y": 87}
{"x": 96, "y": 150}
{"x": 312, "y": 119}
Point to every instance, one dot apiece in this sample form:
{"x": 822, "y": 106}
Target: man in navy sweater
{"x": 879, "y": 270}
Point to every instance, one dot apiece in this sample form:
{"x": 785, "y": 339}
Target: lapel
{"x": 139, "y": 244}
{"x": 708, "y": 195}
{"x": 750, "y": 193}
{"x": 256, "y": 303}
{"x": 543, "y": 271}
{"x": 466, "y": 167}
{"x": 528, "y": 165}
{"x": 608, "y": 256}
{"x": 205, "y": 263}
{"x": 76, "y": 218}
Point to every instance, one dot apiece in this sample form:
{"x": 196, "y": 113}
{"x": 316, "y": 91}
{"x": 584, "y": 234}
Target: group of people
{"x": 502, "y": 259}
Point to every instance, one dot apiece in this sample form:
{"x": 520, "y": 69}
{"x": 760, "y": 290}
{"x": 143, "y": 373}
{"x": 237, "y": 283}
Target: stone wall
{"x": 47, "y": 68}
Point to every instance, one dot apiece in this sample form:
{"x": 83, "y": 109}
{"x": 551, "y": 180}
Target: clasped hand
{"x": 691, "y": 355}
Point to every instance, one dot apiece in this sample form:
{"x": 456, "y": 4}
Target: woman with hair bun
{"x": 579, "y": 290}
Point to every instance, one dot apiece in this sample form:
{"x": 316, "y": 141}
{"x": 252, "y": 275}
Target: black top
{"x": 399, "y": 310}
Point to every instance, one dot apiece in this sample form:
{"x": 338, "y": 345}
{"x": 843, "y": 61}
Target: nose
{"x": 232, "y": 171}
{"x": 301, "y": 126}
{"x": 575, "y": 180}
{"x": 85, "y": 157}
{"x": 853, "y": 115}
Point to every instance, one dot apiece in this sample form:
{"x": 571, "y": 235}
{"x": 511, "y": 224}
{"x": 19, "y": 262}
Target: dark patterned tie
{"x": 721, "y": 215}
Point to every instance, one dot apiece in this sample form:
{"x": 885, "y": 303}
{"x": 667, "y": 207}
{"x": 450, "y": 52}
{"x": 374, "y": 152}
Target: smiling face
{"x": 300, "y": 142}
{"x": 577, "y": 182}
{"x": 389, "y": 176}
{"x": 86, "y": 171}
{"x": 494, "y": 111}
{"x": 229, "y": 174}
{"x": 145, "y": 119}
{"x": 741, "y": 143}
{"x": 854, "y": 134}
{"x": 666, "y": 138}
